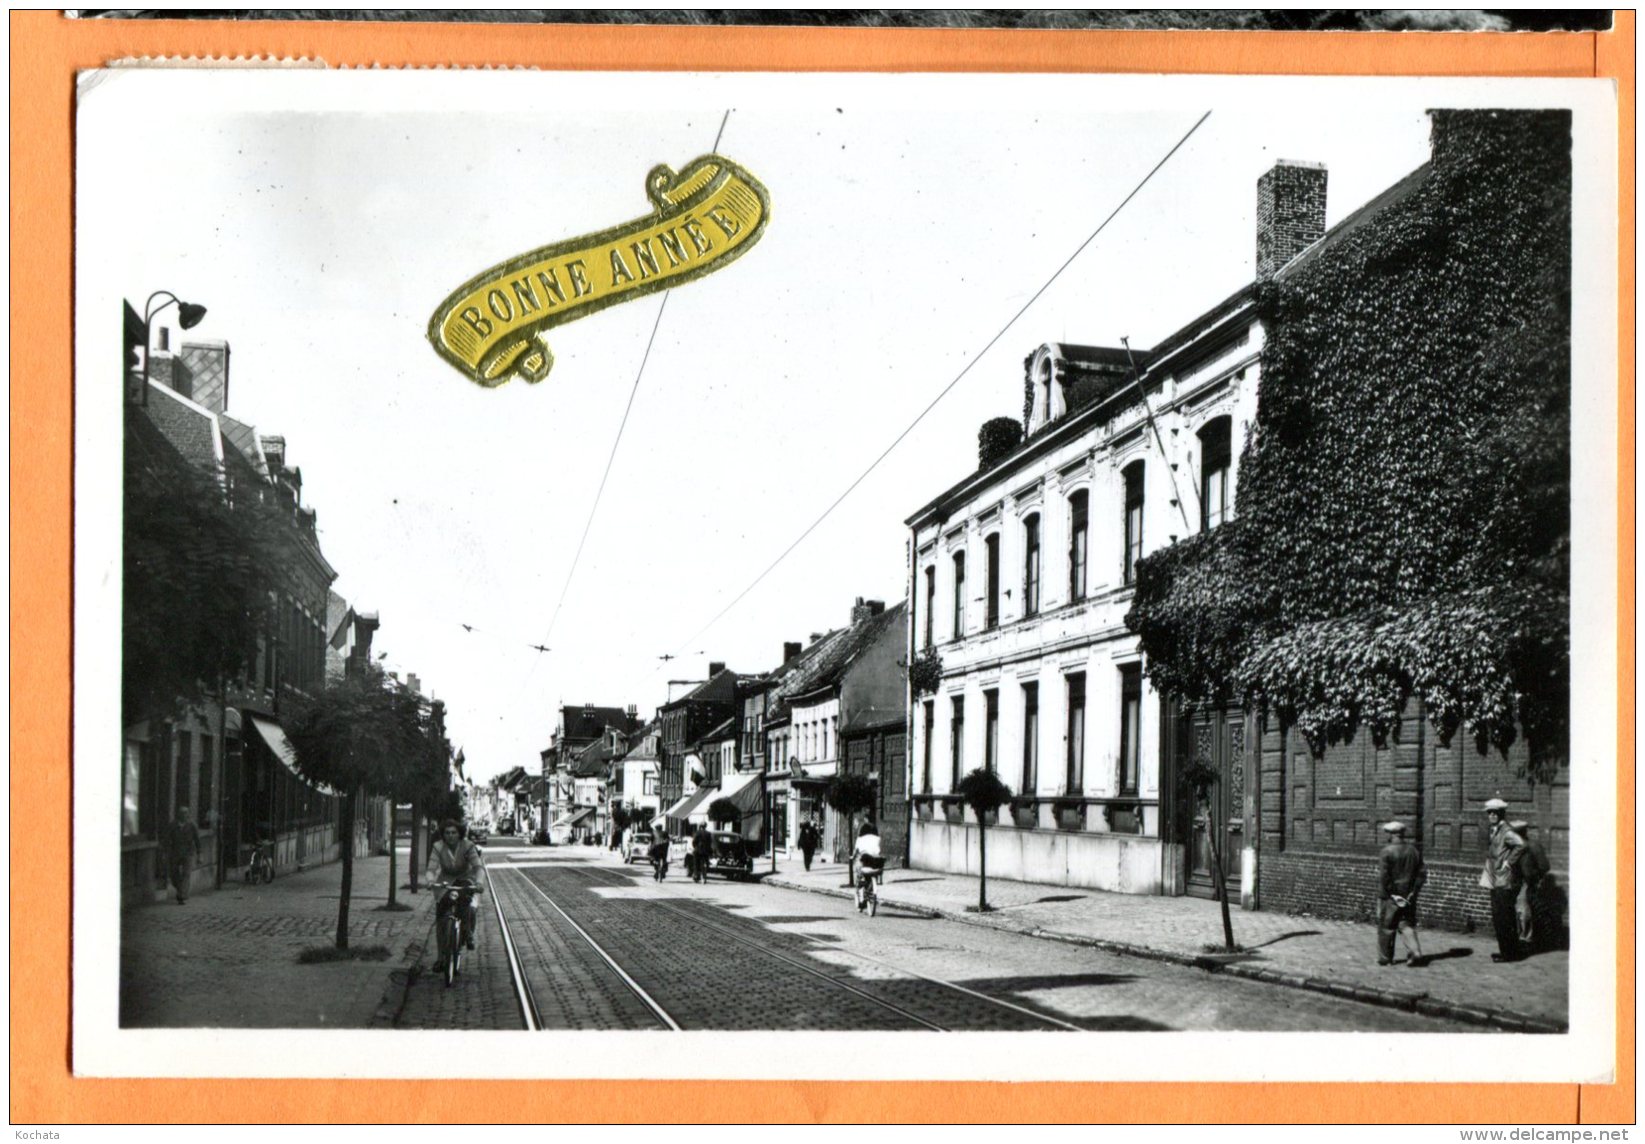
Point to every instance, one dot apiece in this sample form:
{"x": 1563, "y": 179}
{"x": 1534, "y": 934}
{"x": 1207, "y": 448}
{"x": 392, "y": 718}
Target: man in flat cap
{"x": 1502, "y": 877}
{"x": 1402, "y": 875}
{"x": 1533, "y": 867}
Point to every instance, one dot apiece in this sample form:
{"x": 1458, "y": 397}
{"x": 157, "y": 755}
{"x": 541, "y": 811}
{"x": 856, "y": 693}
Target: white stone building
{"x": 1022, "y": 574}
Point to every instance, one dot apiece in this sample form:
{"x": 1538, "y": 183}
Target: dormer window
{"x": 1044, "y": 390}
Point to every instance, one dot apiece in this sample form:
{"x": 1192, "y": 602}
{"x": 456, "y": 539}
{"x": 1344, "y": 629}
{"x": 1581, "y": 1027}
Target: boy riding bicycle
{"x": 870, "y": 863}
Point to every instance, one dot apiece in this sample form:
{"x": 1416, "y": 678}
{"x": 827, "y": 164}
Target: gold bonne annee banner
{"x": 495, "y": 326}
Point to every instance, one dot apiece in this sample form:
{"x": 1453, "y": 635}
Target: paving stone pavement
{"x": 228, "y": 959}
{"x": 1325, "y": 955}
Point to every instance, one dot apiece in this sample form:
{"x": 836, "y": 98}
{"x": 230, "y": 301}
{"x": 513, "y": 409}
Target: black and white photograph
{"x": 818, "y": 563}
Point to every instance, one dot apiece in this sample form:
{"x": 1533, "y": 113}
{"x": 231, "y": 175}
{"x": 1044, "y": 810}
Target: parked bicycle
{"x": 261, "y": 868}
{"x": 452, "y": 926}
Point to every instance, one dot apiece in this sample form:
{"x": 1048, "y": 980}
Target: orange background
{"x": 47, "y": 49}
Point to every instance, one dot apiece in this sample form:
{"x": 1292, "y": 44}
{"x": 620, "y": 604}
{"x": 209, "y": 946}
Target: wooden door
{"x": 1217, "y": 737}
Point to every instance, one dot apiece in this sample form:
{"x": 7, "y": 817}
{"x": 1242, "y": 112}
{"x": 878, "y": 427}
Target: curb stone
{"x": 394, "y": 992}
{"x": 1369, "y": 995}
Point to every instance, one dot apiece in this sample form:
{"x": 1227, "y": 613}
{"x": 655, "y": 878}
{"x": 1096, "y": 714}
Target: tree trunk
{"x": 348, "y": 870}
{"x": 1220, "y": 882}
{"x": 982, "y": 864}
{"x": 393, "y": 848}
{"x": 222, "y": 776}
{"x": 416, "y": 818}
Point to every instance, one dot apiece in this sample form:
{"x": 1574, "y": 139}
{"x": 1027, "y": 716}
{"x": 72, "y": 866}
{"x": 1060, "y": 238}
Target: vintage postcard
{"x": 787, "y": 576}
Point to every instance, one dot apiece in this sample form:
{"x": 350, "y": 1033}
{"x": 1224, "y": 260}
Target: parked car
{"x": 730, "y": 855}
{"x": 505, "y": 827}
{"x": 639, "y": 841}
{"x": 479, "y": 834}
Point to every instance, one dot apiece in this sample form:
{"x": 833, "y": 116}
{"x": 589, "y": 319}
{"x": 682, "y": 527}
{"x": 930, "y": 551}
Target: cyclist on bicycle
{"x": 869, "y": 861}
{"x": 456, "y": 860}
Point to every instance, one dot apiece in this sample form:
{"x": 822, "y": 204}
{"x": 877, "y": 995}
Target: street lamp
{"x": 188, "y": 316}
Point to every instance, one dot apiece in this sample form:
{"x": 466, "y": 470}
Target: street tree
{"x": 984, "y": 793}
{"x": 1198, "y": 780}
{"x": 356, "y": 737}
{"x": 199, "y": 568}
{"x": 724, "y": 812}
{"x": 851, "y": 795}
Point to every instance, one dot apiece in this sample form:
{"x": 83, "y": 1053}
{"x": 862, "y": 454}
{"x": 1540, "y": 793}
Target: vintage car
{"x": 729, "y": 855}
{"x": 478, "y": 833}
{"x": 638, "y": 842}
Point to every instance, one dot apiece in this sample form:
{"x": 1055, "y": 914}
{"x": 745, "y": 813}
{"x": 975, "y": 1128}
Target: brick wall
{"x": 1290, "y": 214}
{"x": 1319, "y": 818}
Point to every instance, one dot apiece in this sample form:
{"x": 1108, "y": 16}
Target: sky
{"x": 322, "y": 216}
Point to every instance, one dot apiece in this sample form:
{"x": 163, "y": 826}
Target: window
{"x": 1133, "y": 521}
{"x": 930, "y": 733}
{"x": 956, "y": 740}
{"x": 991, "y": 724}
{"x": 1031, "y": 566}
{"x": 1076, "y": 734}
{"x": 1130, "y": 727}
{"x": 959, "y": 595}
{"x": 930, "y": 603}
{"x": 130, "y": 796}
{"x": 992, "y": 616}
{"x": 1030, "y": 738}
{"x": 207, "y": 813}
{"x": 1079, "y": 540}
{"x": 1214, "y": 450}
{"x": 650, "y": 786}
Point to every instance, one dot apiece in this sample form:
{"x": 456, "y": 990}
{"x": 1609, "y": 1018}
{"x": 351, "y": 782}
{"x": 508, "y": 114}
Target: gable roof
{"x": 586, "y": 721}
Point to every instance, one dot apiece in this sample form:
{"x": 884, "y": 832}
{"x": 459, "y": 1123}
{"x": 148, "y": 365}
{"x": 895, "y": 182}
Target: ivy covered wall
{"x": 1402, "y": 524}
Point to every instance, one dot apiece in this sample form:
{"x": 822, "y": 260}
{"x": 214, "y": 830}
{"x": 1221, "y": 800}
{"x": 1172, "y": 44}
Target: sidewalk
{"x": 228, "y": 959}
{"x": 1460, "y": 982}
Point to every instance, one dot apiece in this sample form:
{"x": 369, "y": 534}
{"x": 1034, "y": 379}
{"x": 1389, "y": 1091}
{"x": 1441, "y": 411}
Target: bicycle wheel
{"x": 873, "y": 902}
{"x": 449, "y": 928}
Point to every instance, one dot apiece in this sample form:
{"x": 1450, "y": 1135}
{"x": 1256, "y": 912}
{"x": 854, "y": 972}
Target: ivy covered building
{"x": 1316, "y": 538}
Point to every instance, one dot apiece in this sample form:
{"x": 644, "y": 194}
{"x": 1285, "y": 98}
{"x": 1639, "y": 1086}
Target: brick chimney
{"x": 791, "y": 649}
{"x": 866, "y": 609}
{"x": 1290, "y": 214}
{"x": 207, "y": 364}
{"x": 714, "y": 668}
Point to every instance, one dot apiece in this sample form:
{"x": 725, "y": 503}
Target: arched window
{"x": 1079, "y": 543}
{"x": 1215, "y": 448}
{"x": 959, "y": 595}
{"x": 1031, "y": 565}
{"x": 1133, "y": 520}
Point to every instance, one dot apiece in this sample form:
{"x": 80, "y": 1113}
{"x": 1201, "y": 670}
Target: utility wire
{"x": 947, "y": 388}
{"x": 638, "y": 374}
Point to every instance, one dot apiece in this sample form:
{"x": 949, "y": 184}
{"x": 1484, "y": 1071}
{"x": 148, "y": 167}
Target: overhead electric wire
{"x": 633, "y": 390}
{"x": 978, "y": 356}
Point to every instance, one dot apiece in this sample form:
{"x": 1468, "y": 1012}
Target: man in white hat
{"x": 1402, "y": 875}
{"x": 1501, "y": 876}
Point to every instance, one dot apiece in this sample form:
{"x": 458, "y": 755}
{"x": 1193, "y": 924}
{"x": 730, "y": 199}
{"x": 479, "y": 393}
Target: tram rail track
{"x": 907, "y": 1014}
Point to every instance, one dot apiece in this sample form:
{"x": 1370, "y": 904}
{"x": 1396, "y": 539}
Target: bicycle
{"x": 449, "y": 914}
{"x": 261, "y": 868}
{"x": 868, "y": 898}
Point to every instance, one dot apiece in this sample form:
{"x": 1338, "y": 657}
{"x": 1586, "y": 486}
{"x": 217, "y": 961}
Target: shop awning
{"x": 742, "y": 789}
{"x": 683, "y": 810}
{"x": 275, "y": 736}
{"x": 572, "y": 818}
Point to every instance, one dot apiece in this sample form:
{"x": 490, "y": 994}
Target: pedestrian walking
{"x": 182, "y": 850}
{"x": 1401, "y": 878}
{"x": 701, "y": 843}
{"x": 1533, "y": 868}
{"x": 658, "y": 853}
{"x": 1501, "y": 877}
{"x": 808, "y": 841}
